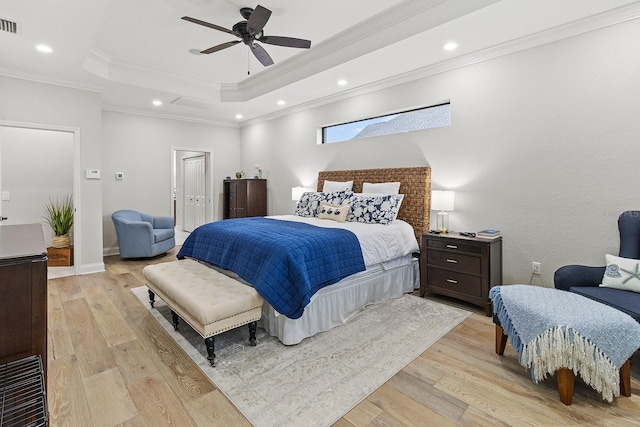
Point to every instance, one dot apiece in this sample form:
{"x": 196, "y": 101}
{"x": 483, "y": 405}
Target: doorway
{"x": 38, "y": 163}
{"x": 191, "y": 194}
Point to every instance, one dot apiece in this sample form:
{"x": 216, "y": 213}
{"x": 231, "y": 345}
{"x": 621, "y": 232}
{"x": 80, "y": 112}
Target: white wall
{"x": 43, "y": 104}
{"x": 543, "y": 146}
{"x": 140, "y": 147}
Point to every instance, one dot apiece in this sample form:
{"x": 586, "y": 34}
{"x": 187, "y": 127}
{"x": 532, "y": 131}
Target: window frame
{"x": 322, "y": 131}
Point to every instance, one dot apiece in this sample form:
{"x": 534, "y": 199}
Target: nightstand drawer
{"x": 454, "y": 245}
{"x": 457, "y": 282}
{"x": 455, "y": 261}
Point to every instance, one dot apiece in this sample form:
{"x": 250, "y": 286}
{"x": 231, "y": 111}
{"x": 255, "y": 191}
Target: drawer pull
{"x": 455, "y": 282}
{"x": 452, "y": 246}
{"x": 452, "y": 261}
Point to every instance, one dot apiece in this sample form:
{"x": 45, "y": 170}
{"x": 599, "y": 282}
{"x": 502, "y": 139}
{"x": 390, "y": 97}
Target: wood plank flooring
{"x": 111, "y": 364}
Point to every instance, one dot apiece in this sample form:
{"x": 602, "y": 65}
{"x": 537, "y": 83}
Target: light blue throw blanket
{"x": 552, "y": 329}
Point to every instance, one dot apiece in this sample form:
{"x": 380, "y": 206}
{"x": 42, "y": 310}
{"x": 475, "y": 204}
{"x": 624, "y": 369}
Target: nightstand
{"x": 460, "y": 267}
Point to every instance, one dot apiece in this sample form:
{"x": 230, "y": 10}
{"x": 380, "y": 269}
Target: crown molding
{"x": 117, "y": 109}
{"x": 384, "y": 29}
{"x": 582, "y": 26}
{"x": 51, "y": 81}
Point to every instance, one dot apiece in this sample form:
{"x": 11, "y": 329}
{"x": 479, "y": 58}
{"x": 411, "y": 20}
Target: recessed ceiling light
{"x": 281, "y": 102}
{"x": 342, "y": 82}
{"x": 450, "y": 46}
{"x": 239, "y": 116}
{"x": 44, "y": 48}
{"x": 157, "y": 102}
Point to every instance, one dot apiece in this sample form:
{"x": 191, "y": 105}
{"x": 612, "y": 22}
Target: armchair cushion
{"x": 141, "y": 235}
{"x": 625, "y": 301}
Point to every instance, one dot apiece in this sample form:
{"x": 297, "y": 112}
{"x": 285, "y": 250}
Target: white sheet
{"x": 379, "y": 243}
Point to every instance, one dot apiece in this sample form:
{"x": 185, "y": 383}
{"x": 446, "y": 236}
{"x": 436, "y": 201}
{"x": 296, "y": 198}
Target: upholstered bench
{"x": 551, "y": 333}
{"x": 206, "y": 299}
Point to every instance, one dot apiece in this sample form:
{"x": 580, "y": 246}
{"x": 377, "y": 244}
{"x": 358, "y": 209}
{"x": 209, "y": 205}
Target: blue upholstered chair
{"x": 584, "y": 280}
{"x": 141, "y": 235}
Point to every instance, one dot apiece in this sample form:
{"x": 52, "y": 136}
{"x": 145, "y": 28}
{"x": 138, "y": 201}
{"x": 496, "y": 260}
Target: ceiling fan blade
{"x": 207, "y": 24}
{"x": 220, "y": 47}
{"x": 286, "y": 41}
{"x": 258, "y": 19}
{"x": 261, "y": 54}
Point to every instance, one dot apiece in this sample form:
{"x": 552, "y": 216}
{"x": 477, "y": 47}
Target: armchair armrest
{"x": 577, "y": 275}
{"x": 136, "y": 231}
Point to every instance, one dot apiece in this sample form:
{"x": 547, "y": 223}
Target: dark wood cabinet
{"x": 244, "y": 198}
{"x": 461, "y": 267}
{"x": 23, "y": 293}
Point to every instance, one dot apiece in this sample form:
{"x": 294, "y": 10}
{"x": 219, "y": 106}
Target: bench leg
{"x": 210, "y": 344}
{"x": 252, "y": 333}
{"x": 501, "y": 340}
{"x": 152, "y": 298}
{"x": 565, "y": 378}
{"x": 625, "y": 379}
{"x": 174, "y": 318}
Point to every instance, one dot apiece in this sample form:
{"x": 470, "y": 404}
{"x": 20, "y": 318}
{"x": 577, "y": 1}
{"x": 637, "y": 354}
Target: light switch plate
{"x": 93, "y": 174}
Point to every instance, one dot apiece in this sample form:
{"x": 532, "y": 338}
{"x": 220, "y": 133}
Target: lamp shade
{"x": 442, "y": 200}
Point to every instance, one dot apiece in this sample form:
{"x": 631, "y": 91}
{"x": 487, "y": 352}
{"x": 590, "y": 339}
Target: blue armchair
{"x": 584, "y": 280}
{"x": 141, "y": 235}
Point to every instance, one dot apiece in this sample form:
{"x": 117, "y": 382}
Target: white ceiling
{"x": 135, "y": 51}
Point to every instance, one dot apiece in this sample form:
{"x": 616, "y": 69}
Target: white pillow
{"x": 622, "y": 273}
{"x": 332, "y": 186}
{"x": 334, "y": 212}
{"x": 381, "y": 188}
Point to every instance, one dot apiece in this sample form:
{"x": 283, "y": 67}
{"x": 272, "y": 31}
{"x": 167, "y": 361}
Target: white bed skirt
{"x": 334, "y": 305}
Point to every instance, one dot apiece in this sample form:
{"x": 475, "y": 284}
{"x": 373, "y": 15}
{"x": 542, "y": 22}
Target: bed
{"x": 386, "y": 270}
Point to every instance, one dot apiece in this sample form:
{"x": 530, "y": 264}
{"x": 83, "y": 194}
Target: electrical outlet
{"x": 536, "y": 268}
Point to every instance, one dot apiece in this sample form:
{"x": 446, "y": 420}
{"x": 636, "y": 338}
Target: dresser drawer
{"x": 455, "y": 261}
{"x": 453, "y": 245}
{"x": 454, "y": 281}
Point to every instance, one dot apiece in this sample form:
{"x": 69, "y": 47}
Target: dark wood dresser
{"x": 244, "y": 198}
{"x": 461, "y": 267}
{"x": 23, "y": 293}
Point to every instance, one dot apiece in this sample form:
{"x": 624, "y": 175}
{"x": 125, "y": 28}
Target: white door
{"x": 194, "y": 192}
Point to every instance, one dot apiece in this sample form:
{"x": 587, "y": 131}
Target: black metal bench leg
{"x": 152, "y": 298}
{"x": 252, "y": 333}
{"x": 210, "y": 344}
{"x": 174, "y": 318}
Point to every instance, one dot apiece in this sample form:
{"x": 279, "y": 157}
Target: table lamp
{"x": 442, "y": 201}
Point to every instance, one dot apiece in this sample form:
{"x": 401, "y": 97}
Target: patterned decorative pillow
{"x": 309, "y": 203}
{"x": 375, "y": 209}
{"x": 622, "y": 273}
{"x": 334, "y": 212}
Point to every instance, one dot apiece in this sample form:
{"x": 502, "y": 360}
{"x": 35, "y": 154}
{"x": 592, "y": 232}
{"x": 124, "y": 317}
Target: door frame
{"x": 77, "y": 220}
{"x": 208, "y": 160}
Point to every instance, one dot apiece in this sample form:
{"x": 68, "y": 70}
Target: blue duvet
{"x": 287, "y": 262}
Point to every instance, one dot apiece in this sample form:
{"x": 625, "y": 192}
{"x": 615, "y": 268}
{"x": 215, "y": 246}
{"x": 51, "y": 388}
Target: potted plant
{"x": 59, "y": 216}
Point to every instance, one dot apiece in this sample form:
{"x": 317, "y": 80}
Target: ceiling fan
{"x": 250, "y": 32}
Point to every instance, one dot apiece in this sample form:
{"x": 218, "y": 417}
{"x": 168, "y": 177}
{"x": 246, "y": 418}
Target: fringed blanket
{"x": 552, "y": 329}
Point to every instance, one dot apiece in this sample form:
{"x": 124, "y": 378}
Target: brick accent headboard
{"x": 415, "y": 184}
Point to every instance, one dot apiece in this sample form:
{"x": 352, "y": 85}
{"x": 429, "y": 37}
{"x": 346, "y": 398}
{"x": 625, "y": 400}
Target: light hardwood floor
{"x": 112, "y": 364}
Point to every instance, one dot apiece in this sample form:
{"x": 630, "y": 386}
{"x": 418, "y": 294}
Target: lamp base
{"x": 443, "y": 222}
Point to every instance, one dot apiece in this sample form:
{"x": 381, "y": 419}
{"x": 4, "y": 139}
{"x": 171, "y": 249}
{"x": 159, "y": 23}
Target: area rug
{"x": 317, "y": 381}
